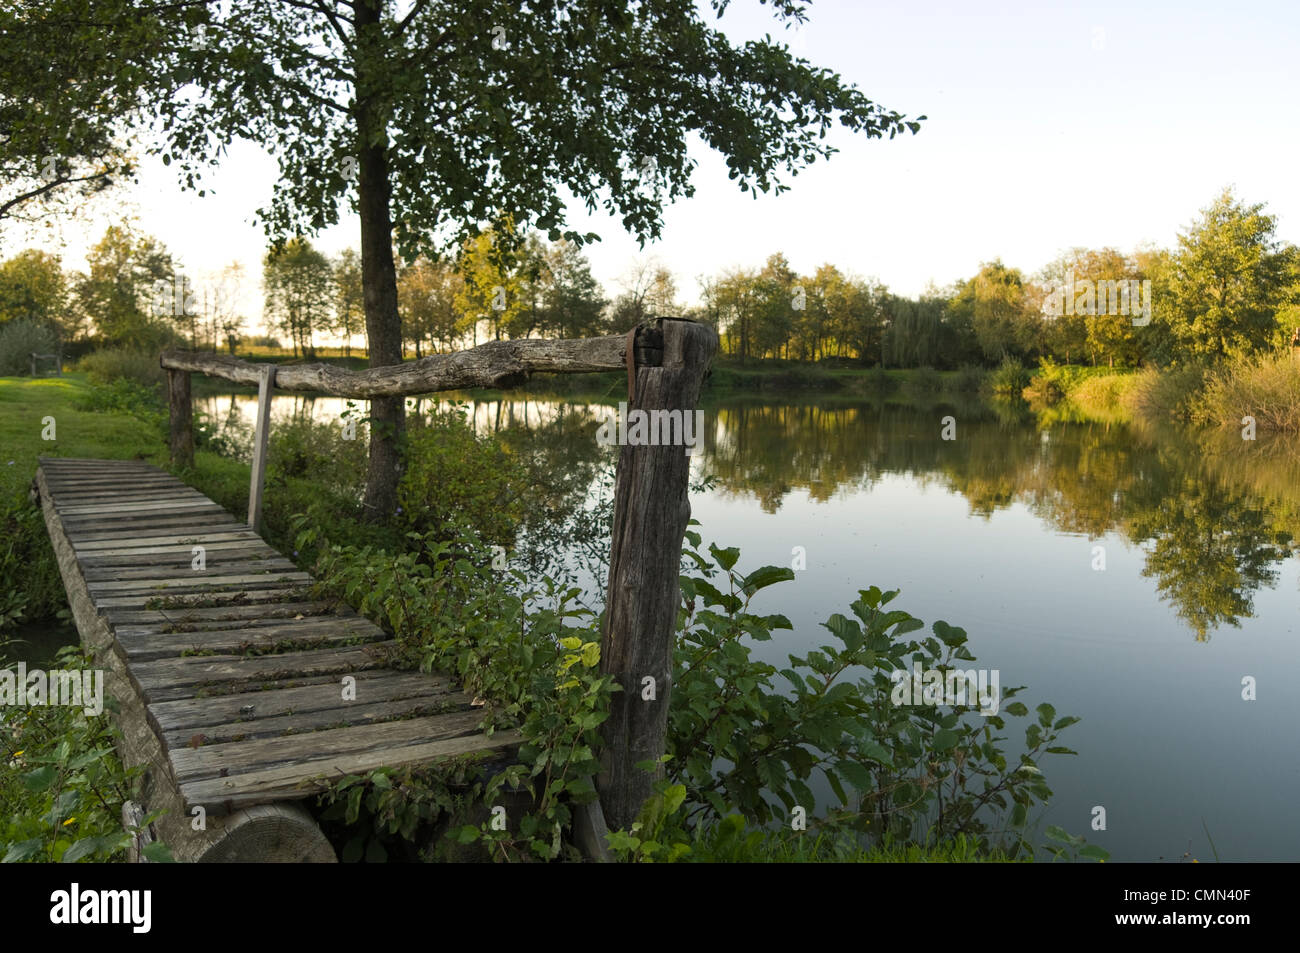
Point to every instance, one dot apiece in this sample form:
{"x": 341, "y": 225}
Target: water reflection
{"x": 1213, "y": 517}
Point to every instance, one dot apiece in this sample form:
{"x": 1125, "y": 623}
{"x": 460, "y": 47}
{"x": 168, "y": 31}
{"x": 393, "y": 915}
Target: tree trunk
{"x": 379, "y": 290}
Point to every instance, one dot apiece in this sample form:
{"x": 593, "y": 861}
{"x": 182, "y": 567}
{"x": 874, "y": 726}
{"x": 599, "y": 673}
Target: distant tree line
{"x": 1229, "y": 287}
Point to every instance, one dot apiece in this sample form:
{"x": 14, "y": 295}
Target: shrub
{"x": 969, "y": 379}
{"x": 19, "y": 339}
{"x": 1266, "y": 388}
{"x": 62, "y": 789}
{"x": 453, "y": 476}
{"x": 1165, "y": 394}
{"x": 1009, "y": 379}
{"x": 123, "y": 363}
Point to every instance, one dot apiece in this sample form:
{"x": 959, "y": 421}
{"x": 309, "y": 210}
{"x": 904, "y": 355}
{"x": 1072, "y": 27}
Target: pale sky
{"x": 1051, "y": 125}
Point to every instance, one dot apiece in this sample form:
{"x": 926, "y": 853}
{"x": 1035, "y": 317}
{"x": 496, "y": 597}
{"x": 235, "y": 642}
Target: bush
{"x": 969, "y": 379}
{"x": 63, "y": 787}
{"x": 123, "y": 363}
{"x": 1167, "y": 394}
{"x": 21, "y": 338}
{"x": 1009, "y": 379}
{"x": 452, "y": 477}
{"x": 1266, "y": 388}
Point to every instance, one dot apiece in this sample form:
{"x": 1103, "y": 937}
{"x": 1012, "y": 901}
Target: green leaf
{"x": 945, "y": 739}
{"x": 1099, "y": 854}
{"x": 1018, "y": 815}
{"x": 22, "y": 850}
{"x": 1017, "y": 708}
{"x": 765, "y": 576}
{"x": 1046, "y": 714}
{"x": 158, "y": 852}
{"x": 40, "y": 779}
{"x": 726, "y": 558}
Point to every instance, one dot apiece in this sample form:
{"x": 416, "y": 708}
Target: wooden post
{"x": 651, "y": 510}
{"x": 266, "y": 380}
{"x": 182, "y": 418}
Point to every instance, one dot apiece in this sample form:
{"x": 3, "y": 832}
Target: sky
{"x": 1050, "y": 125}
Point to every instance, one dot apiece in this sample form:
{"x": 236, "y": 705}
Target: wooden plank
{"x": 218, "y": 614}
{"x": 113, "y": 544}
{"x": 179, "y": 621}
{"x": 139, "y": 514}
{"x": 343, "y": 715}
{"x": 148, "y": 568}
{"x": 121, "y": 557}
{"x": 378, "y": 685}
{"x": 289, "y": 781}
{"x": 225, "y": 670}
{"x": 240, "y": 757}
{"x": 126, "y": 490}
{"x": 240, "y": 579}
{"x": 270, "y": 687}
{"x": 197, "y": 522}
{"x": 322, "y": 632}
{"x": 178, "y": 555}
{"x": 153, "y": 504}
{"x": 140, "y": 600}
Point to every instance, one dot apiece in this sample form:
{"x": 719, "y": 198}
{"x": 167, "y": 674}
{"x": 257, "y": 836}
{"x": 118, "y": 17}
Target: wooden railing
{"x": 670, "y": 359}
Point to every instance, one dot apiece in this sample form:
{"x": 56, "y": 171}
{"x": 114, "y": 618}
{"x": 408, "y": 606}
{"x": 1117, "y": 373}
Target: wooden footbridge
{"x": 241, "y": 693}
{"x": 254, "y": 692}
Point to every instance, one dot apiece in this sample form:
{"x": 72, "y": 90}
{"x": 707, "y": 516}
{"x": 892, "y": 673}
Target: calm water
{"x": 997, "y": 531}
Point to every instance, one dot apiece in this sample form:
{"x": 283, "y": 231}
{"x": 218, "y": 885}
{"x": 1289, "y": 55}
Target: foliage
{"x": 453, "y": 476}
{"x": 1231, "y": 275}
{"x": 526, "y": 650}
{"x": 917, "y": 771}
{"x": 1266, "y": 387}
{"x": 300, "y": 290}
{"x": 19, "y": 340}
{"x": 1009, "y": 379}
{"x": 106, "y": 365}
{"x": 1166, "y": 394}
{"x": 62, "y": 789}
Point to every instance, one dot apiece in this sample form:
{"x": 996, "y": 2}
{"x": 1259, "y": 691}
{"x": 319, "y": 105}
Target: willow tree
{"x": 432, "y": 118}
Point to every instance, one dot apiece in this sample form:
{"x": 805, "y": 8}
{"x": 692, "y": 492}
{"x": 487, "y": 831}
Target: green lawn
{"x": 79, "y": 431}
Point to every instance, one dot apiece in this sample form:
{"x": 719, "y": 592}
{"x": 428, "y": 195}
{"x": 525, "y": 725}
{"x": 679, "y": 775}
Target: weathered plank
{"x": 242, "y": 757}
{"x": 149, "y": 644}
{"x": 102, "y": 542}
{"x": 182, "y": 551}
{"x": 218, "y": 614}
{"x": 298, "y": 723}
{"x": 375, "y": 686}
{"x": 202, "y": 580}
{"x": 146, "y": 569}
{"x": 230, "y": 670}
{"x": 289, "y": 781}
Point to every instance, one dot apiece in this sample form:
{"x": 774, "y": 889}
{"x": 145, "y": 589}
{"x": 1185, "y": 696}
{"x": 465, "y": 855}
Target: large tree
{"x": 432, "y": 117}
{"x": 68, "y": 86}
{"x": 1229, "y": 280}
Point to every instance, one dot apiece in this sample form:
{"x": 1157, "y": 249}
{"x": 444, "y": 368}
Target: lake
{"x": 1131, "y": 578}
